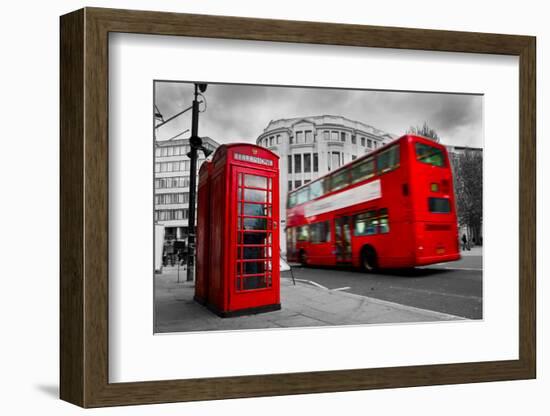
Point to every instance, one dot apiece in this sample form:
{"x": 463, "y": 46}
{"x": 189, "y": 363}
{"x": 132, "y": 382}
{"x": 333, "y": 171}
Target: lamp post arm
{"x": 173, "y": 117}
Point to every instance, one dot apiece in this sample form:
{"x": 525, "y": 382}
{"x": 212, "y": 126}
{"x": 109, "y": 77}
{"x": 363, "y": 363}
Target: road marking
{"x": 311, "y": 282}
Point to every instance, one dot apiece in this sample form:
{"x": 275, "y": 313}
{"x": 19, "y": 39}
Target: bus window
{"x": 365, "y": 223}
{"x": 363, "y": 170}
{"x": 320, "y": 232}
{"x": 388, "y": 159}
{"x": 439, "y": 205}
{"x": 302, "y": 195}
{"x": 429, "y": 154}
{"x": 303, "y": 233}
{"x": 316, "y": 189}
{"x": 292, "y": 200}
{"x": 384, "y": 225}
{"x": 340, "y": 180}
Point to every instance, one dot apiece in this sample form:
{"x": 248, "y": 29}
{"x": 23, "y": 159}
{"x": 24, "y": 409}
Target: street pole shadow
{"x": 49, "y": 390}
{"x": 412, "y": 272}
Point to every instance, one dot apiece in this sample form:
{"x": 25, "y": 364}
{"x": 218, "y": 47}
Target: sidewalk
{"x": 303, "y": 305}
{"x": 474, "y": 251}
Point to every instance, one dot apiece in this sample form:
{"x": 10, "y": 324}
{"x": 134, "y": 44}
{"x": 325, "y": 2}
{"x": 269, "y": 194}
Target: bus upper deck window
{"x": 291, "y": 200}
{"x": 429, "y": 154}
{"x": 362, "y": 170}
{"x": 316, "y": 189}
{"x": 302, "y": 195}
{"x": 388, "y": 159}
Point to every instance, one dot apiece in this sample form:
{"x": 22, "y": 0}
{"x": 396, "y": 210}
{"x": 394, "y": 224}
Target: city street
{"x": 454, "y": 288}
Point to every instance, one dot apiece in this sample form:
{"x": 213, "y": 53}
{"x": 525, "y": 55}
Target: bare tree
{"x": 425, "y": 131}
{"x": 468, "y": 183}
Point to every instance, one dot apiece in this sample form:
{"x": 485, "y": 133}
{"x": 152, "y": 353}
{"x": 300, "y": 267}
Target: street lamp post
{"x": 195, "y": 143}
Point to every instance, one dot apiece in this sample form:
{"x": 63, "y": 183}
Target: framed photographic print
{"x": 256, "y": 207}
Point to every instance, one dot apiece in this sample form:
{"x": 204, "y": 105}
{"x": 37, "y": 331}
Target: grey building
{"x": 310, "y": 147}
{"x": 171, "y": 188}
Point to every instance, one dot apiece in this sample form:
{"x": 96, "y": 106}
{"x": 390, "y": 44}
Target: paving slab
{"x": 303, "y": 305}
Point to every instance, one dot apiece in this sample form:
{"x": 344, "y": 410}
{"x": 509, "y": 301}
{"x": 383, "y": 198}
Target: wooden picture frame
{"x": 84, "y": 207}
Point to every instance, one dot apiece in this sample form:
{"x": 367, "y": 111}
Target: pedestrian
{"x": 464, "y": 241}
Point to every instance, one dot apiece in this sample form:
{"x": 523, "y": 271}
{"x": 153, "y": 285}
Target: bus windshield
{"x": 429, "y": 154}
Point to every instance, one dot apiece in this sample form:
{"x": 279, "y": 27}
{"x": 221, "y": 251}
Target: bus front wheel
{"x": 369, "y": 262}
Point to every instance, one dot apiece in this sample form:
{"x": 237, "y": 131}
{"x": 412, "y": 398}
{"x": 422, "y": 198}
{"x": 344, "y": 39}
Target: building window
{"x": 289, "y": 186}
{"x": 362, "y": 141}
{"x": 342, "y": 136}
{"x": 335, "y": 160}
{"x": 307, "y": 162}
{"x": 307, "y": 181}
{"x": 171, "y": 214}
{"x": 315, "y": 162}
{"x": 334, "y": 136}
{"x": 369, "y": 143}
{"x": 353, "y": 139}
{"x": 289, "y": 163}
{"x": 173, "y": 182}
{"x": 157, "y": 167}
{"x": 309, "y": 136}
{"x": 157, "y": 152}
{"x": 326, "y": 135}
{"x": 375, "y": 145}
{"x": 173, "y": 198}
{"x": 271, "y": 140}
{"x": 353, "y": 157}
{"x": 297, "y": 184}
{"x": 278, "y": 139}
{"x": 299, "y": 137}
{"x": 291, "y": 140}
{"x": 298, "y": 163}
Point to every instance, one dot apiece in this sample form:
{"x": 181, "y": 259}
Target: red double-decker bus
{"x": 392, "y": 208}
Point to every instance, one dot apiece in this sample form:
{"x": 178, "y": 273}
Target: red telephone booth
{"x": 203, "y": 232}
{"x": 240, "y": 257}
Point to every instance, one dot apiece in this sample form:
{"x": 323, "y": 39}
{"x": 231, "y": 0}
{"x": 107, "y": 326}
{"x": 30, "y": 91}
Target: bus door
{"x": 342, "y": 239}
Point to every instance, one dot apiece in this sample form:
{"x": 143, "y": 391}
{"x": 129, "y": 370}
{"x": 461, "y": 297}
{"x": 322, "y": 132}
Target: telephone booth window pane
{"x": 255, "y": 223}
{"x": 255, "y": 181}
{"x": 255, "y": 239}
{"x": 254, "y": 209}
{"x": 256, "y": 267}
{"x": 254, "y": 195}
{"x": 254, "y": 282}
{"x": 251, "y": 253}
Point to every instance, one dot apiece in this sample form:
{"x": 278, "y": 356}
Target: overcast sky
{"x": 241, "y": 112}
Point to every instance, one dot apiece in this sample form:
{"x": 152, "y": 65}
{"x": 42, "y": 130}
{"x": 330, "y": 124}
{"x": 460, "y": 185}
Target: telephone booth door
{"x": 255, "y": 281}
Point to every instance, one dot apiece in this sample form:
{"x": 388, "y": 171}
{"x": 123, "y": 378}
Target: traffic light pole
{"x": 195, "y": 142}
